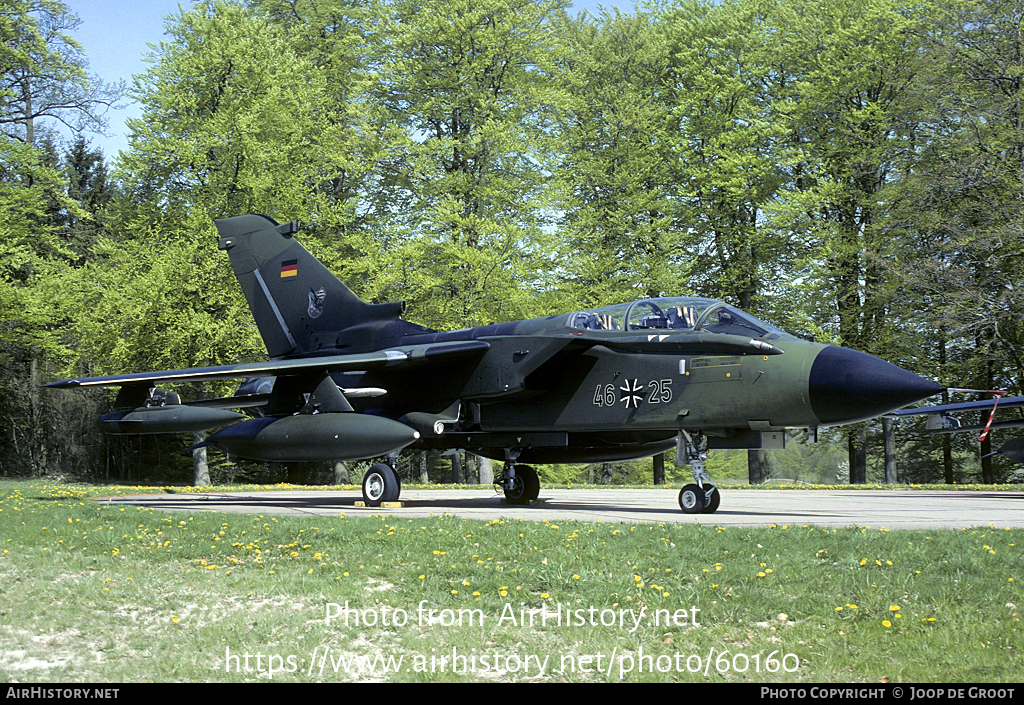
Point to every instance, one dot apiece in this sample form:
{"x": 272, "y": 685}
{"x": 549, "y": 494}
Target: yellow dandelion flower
{"x": 886, "y": 623}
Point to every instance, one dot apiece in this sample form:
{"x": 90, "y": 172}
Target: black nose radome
{"x": 847, "y": 386}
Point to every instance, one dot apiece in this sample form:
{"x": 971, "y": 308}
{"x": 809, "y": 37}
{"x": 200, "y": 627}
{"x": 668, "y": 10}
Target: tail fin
{"x": 298, "y": 304}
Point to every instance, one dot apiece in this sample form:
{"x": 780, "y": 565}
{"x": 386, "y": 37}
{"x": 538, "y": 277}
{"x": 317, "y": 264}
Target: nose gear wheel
{"x": 700, "y": 497}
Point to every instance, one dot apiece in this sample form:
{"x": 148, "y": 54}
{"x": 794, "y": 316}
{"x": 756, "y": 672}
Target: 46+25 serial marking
{"x": 631, "y": 393}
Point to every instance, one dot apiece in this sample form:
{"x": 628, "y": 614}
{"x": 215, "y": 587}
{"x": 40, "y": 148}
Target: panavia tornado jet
{"x": 350, "y": 380}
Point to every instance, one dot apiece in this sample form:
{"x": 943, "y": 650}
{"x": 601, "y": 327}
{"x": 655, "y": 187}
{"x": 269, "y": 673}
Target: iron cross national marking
{"x": 631, "y": 393}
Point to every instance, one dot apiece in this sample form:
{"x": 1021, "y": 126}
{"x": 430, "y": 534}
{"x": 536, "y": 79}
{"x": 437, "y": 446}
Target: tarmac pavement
{"x": 891, "y": 509}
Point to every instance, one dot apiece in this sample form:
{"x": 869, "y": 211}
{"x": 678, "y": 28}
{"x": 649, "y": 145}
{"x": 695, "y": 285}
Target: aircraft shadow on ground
{"x": 313, "y": 505}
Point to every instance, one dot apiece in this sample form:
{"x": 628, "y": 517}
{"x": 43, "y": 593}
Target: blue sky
{"x": 115, "y": 35}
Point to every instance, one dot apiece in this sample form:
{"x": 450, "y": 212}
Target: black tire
{"x": 380, "y": 484}
{"x": 691, "y": 499}
{"x": 524, "y": 487}
{"x": 712, "y": 506}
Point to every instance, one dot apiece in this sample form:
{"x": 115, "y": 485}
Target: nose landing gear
{"x": 702, "y": 497}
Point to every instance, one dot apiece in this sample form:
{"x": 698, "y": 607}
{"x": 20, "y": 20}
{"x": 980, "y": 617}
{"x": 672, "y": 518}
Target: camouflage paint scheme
{"x": 350, "y": 380}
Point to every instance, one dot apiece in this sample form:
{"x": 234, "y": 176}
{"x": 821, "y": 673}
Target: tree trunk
{"x": 755, "y": 466}
{"x": 486, "y": 470}
{"x": 858, "y": 450}
{"x": 30, "y": 126}
{"x": 987, "y": 475}
{"x": 36, "y": 438}
{"x": 947, "y": 442}
{"x": 947, "y": 459}
{"x": 457, "y": 468}
{"x": 200, "y": 468}
{"x": 659, "y": 469}
{"x": 424, "y": 474}
{"x": 890, "y": 451}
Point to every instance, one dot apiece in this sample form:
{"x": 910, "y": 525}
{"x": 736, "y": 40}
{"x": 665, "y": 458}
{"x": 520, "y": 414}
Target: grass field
{"x": 92, "y": 593}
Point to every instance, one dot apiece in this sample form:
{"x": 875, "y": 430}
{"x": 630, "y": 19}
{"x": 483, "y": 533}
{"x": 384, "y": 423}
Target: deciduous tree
{"x": 463, "y": 182}
{"x": 618, "y": 232}
{"x": 43, "y": 72}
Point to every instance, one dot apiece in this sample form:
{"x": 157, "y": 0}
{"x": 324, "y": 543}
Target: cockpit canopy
{"x": 676, "y": 313}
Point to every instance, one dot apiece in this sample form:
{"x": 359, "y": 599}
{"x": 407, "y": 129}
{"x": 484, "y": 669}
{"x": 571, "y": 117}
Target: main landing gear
{"x": 520, "y": 482}
{"x": 702, "y": 497}
{"x": 381, "y": 484}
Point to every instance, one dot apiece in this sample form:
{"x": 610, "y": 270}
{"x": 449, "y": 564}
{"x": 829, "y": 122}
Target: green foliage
{"x": 731, "y": 149}
{"x": 618, "y": 231}
{"x": 962, "y": 196}
{"x": 29, "y": 244}
{"x": 461, "y": 183}
{"x": 91, "y": 190}
{"x": 234, "y": 121}
{"x": 35, "y": 338}
{"x": 162, "y": 307}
